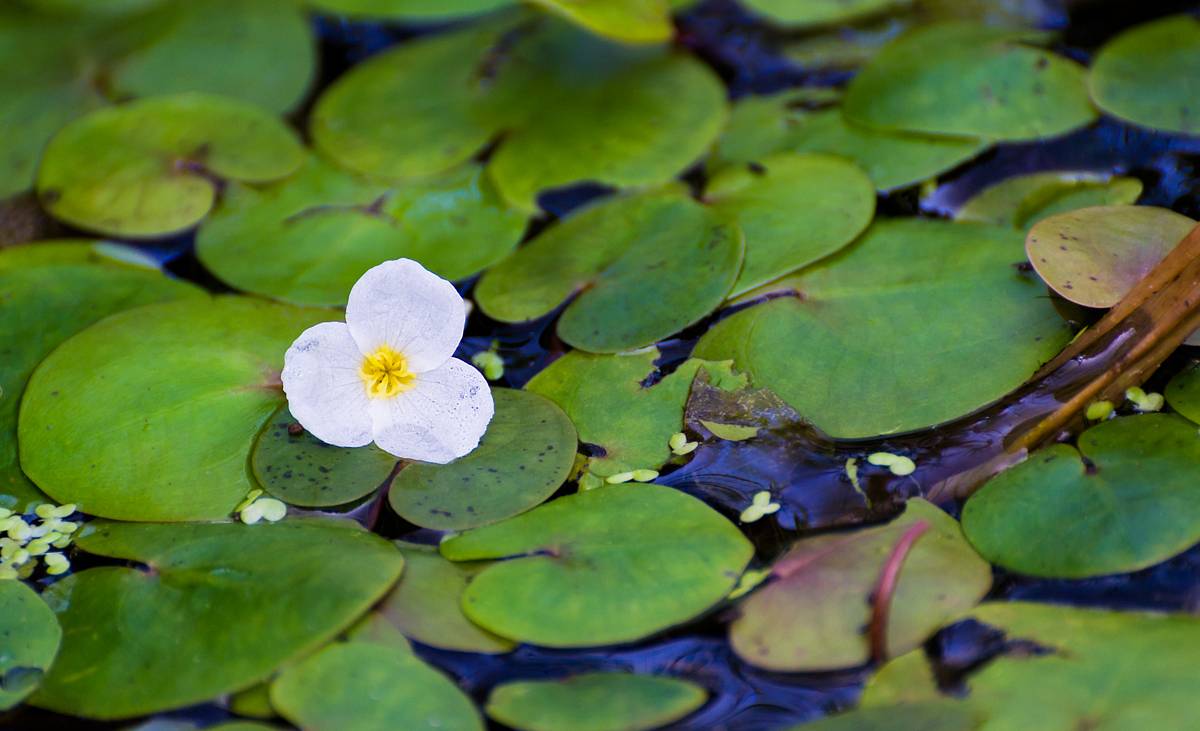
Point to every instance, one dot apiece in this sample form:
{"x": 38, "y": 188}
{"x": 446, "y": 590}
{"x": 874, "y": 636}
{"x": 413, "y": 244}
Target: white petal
{"x": 442, "y": 417}
{"x": 323, "y": 382}
{"x": 416, "y": 313}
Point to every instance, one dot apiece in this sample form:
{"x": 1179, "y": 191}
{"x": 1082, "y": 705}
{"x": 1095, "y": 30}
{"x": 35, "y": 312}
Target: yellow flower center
{"x": 385, "y": 373}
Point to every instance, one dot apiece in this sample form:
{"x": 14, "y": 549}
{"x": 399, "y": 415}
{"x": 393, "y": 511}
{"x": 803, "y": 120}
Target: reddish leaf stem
{"x": 885, "y": 589}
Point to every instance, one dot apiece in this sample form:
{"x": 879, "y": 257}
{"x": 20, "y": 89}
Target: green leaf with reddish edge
{"x": 1120, "y": 503}
{"x": 813, "y": 616}
{"x": 1023, "y": 200}
{"x": 604, "y": 397}
{"x": 600, "y": 701}
{"x": 601, "y": 567}
{"x": 302, "y": 470}
{"x": 640, "y": 268}
{"x": 629, "y": 21}
{"x": 1094, "y": 256}
{"x": 151, "y": 414}
{"x": 933, "y": 300}
{"x": 29, "y": 640}
{"x": 48, "y": 292}
{"x": 969, "y": 80}
{"x": 792, "y": 209}
{"x": 526, "y": 454}
{"x": 354, "y": 686}
{"x": 217, "y": 608}
{"x": 426, "y": 606}
{"x": 1150, "y": 75}
{"x": 308, "y": 238}
{"x": 147, "y": 168}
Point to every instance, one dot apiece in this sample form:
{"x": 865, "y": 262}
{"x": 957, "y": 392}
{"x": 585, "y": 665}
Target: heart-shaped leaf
{"x": 29, "y": 640}
{"x": 1024, "y": 200}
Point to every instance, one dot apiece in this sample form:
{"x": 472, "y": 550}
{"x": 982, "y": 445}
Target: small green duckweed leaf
{"x": 1119, "y": 503}
{"x": 29, "y": 640}
{"x": 631, "y": 21}
{"x": 205, "y": 617}
{"x": 793, "y": 210}
{"x": 308, "y": 238}
{"x": 49, "y": 292}
{"x": 604, "y": 397}
{"x": 609, "y": 565}
{"x": 152, "y": 413}
{"x": 549, "y": 87}
{"x": 427, "y": 603}
{"x": 642, "y": 266}
{"x": 1055, "y": 689}
{"x": 806, "y": 13}
{"x": 355, "y": 686}
{"x": 813, "y": 615}
{"x": 302, "y": 470}
{"x": 969, "y": 80}
{"x": 525, "y": 455}
{"x": 147, "y": 168}
{"x": 1024, "y": 200}
{"x": 1094, "y": 256}
{"x": 1149, "y": 75}
{"x": 408, "y": 10}
{"x": 602, "y": 701}
{"x": 730, "y": 432}
{"x": 1183, "y": 392}
{"x": 953, "y": 303}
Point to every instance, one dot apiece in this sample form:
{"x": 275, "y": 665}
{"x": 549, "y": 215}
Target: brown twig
{"x": 885, "y": 589}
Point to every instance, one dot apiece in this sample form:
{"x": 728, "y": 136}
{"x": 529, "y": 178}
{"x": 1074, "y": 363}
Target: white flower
{"x": 386, "y": 375}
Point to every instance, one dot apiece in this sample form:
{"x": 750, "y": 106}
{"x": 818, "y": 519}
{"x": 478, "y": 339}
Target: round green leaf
{"x": 594, "y": 702}
{"x": 29, "y": 640}
{"x": 803, "y": 13}
{"x": 356, "y": 686}
{"x": 935, "y": 300}
{"x": 151, "y": 414}
{"x": 643, "y": 267}
{"x": 146, "y": 168}
{"x": 927, "y": 716}
{"x": 411, "y": 10}
{"x": 1127, "y": 507}
{"x": 1094, "y": 256}
{"x": 427, "y": 603}
{"x": 1150, "y": 75}
{"x": 308, "y": 239}
{"x": 49, "y": 292}
{"x": 1024, "y": 200}
{"x": 1183, "y": 392}
{"x": 302, "y": 470}
{"x": 793, "y": 210}
{"x": 811, "y": 617}
{"x": 610, "y": 565}
{"x": 526, "y": 454}
{"x": 971, "y": 81}
{"x": 631, "y": 21}
{"x": 216, "y": 609}
{"x": 604, "y": 397}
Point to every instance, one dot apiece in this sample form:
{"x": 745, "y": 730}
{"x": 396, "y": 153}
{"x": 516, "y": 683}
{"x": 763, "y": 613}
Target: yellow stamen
{"x": 385, "y": 373}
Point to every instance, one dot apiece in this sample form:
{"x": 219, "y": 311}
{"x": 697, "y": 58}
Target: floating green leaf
{"x": 604, "y": 397}
{"x": 1150, "y": 75}
{"x": 1183, "y": 392}
{"x": 410, "y": 10}
{"x": 146, "y": 168}
{"x": 643, "y": 267}
{"x": 151, "y": 414}
{"x": 594, "y": 702}
{"x": 1143, "y": 662}
{"x": 302, "y": 470}
{"x": 29, "y": 640}
{"x": 48, "y": 292}
{"x": 308, "y": 238}
{"x": 526, "y": 454}
{"x": 943, "y": 715}
{"x": 813, "y": 616}
{"x": 631, "y": 21}
{"x": 555, "y": 91}
{"x": 1024, "y": 200}
{"x": 610, "y": 565}
{"x": 355, "y": 686}
{"x": 205, "y": 616}
{"x": 427, "y": 603}
{"x": 1094, "y": 256}
{"x": 792, "y": 209}
{"x": 802, "y": 13}
{"x": 933, "y": 300}
{"x": 1120, "y": 503}
{"x": 972, "y": 81}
